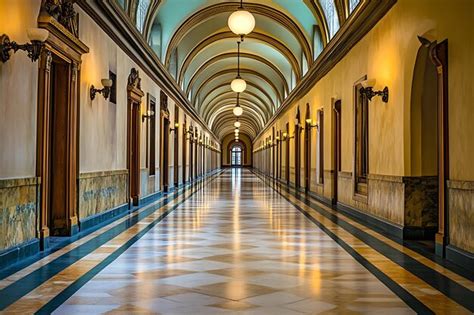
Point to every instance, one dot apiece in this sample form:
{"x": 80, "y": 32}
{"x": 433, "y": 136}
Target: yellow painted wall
{"x": 387, "y": 54}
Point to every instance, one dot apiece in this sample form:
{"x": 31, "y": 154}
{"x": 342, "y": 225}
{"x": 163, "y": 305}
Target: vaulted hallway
{"x": 236, "y": 242}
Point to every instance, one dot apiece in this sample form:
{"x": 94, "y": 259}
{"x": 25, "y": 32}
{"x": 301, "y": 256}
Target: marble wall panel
{"x": 461, "y": 214}
{"x": 101, "y": 191}
{"x": 386, "y": 197}
{"x": 421, "y": 201}
{"x": 18, "y": 211}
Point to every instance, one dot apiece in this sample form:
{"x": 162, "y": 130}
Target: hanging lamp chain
{"x": 238, "y": 59}
{"x": 241, "y": 4}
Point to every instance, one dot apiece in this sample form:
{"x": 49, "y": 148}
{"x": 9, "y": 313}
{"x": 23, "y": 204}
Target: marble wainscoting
{"x": 149, "y": 184}
{"x": 101, "y": 191}
{"x": 315, "y": 188}
{"x": 386, "y": 197}
{"x": 345, "y": 189}
{"x": 421, "y": 201}
{"x": 292, "y": 176}
{"x": 19, "y": 201}
{"x": 461, "y": 215}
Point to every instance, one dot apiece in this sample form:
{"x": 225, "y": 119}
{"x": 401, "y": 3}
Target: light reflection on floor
{"x": 235, "y": 246}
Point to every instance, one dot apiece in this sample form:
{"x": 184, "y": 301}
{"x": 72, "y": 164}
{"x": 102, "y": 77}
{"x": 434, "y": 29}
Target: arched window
{"x": 330, "y": 12}
{"x": 142, "y": 10}
{"x": 353, "y": 4}
{"x": 236, "y": 156}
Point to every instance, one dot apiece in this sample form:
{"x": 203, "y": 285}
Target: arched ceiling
{"x": 193, "y": 41}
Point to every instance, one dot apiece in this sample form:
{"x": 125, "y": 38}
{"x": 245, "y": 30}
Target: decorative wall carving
{"x": 63, "y": 11}
{"x": 134, "y": 79}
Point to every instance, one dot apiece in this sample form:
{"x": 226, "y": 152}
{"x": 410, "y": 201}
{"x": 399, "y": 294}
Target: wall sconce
{"x": 285, "y": 135}
{"x": 310, "y": 124}
{"x": 149, "y": 114}
{"x": 176, "y": 126}
{"x": 37, "y": 37}
{"x": 107, "y": 83}
{"x": 367, "y": 90}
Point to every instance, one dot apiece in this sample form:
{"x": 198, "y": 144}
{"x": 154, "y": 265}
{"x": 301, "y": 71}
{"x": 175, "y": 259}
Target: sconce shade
{"x": 176, "y": 125}
{"x": 241, "y": 22}
{"x": 285, "y": 135}
{"x": 309, "y": 121}
{"x": 368, "y": 83}
{"x": 107, "y": 83}
{"x": 37, "y": 34}
{"x": 238, "y": 111}
{"x": 238, "y": 85}
{"x": 237, "y": 124}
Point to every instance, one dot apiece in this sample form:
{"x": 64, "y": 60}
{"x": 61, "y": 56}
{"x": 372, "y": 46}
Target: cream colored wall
{"x": 387, "y": 53}
{"x": 102, "y": 134}
{"x": 18, "y": 86}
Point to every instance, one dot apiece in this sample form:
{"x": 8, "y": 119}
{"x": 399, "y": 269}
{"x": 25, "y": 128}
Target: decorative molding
{"x": 63, "y": 11}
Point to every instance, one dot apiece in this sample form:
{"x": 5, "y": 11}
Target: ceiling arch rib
{"x": 251, "y": 57}
{"x": 250, "y": 75}
{"x": 256, "y": 36}
{"x": 225, "y": 126}
{"x": 244, "y": 102}
{"x": 246, "y": 96}
{"x": 271, "y": 79}
{"x": 229, "y": 7}
{"x": 226, "y": 110}
{"x": 251, "y": 88}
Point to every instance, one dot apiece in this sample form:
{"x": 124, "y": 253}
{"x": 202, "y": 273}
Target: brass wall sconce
{"x": 176, "y": 127}
{"x": 149, "y": 115}
{"x": 105, "y": 91}
{"x": 311, "y": 125}
{"x": 37, "y": 37}
{"x": 367, "y": 90}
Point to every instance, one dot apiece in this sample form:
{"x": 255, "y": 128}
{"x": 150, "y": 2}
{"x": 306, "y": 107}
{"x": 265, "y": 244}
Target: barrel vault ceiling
{"x": 193, "y": 41}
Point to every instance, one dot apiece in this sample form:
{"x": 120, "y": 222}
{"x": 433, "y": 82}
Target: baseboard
{"x": 419, "y": 233}
{"x": 102, "y": 217}
{"x": 372, "y": 222}
{"x": 151, "y": 197}
{"x": 460, "y": 257}
{"x": 20, "y": 252}
{"x": 322, "y": 199}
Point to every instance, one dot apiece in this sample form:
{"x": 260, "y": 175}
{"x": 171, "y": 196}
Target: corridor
{"x": 235, "y": 242}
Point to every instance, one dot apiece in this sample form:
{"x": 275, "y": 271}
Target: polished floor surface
{"x": 236, "y": 243}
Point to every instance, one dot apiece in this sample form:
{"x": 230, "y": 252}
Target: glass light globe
{"x": 237, "y": 124}
{"x": 241, "y": 22}
{"x": 238, "y": 85}
{"x": 238, "y": 111}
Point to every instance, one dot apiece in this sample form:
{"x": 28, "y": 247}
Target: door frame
{"x": 66, "y": 46}
{"x": 164, "y": 141}
{"x": 337, "y": 129}
{"x": 134, "y": 99}
{"x": 307, "y": 149}
{"x": 438, "y": 53}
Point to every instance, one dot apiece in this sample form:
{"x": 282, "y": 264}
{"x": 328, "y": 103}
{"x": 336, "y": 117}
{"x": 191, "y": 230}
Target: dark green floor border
{"x": 450, "y": 288}
{"x": 23, "y": 286}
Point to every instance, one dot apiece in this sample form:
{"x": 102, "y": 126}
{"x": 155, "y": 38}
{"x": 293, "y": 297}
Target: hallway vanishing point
{"x": 236, "y": 242}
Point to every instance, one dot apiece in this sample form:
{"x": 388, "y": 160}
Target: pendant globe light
{"x": 237, "y": 109}
{"x": 241, "y": 22}
{"x": 238, "y": 85}
{"x": 237, "y": 124}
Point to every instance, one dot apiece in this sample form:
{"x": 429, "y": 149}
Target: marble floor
{"x": 238, "y": 244}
